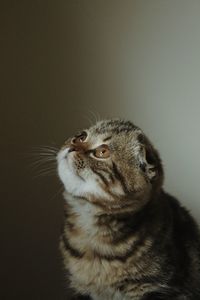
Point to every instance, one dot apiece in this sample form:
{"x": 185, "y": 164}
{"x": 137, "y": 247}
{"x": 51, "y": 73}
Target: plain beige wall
{"x": 141, "y": 60}
{"x": 62, "y": 59}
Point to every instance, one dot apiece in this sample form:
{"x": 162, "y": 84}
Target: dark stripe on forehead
{"x": 107, "y": 139}
{"x": 120, "y": 177}
{"x": 115, "y": 126}
{"x": 125, "y": 126}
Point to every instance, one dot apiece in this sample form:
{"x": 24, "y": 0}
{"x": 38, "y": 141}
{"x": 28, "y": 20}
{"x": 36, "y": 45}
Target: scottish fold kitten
{"x": 124, "y": 237}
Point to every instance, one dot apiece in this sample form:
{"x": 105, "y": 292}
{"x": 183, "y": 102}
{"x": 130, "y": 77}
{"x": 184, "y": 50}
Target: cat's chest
{"x": 92, "y": 269}
{"x": 97, "y": 277}
{"x": 96, "y": 271}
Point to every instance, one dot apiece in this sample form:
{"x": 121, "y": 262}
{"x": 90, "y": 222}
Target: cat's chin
{"x": 77, "y": 185}
{"x": 73, "y": 184}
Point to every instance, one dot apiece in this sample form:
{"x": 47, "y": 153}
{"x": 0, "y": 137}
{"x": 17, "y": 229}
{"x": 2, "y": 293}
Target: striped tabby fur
{"x": 124, "y": 237}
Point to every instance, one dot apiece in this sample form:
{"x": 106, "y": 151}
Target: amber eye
{"x": 80, "y": 138}
{"x": 102, "y": 151}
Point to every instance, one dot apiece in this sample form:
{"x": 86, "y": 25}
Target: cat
{"x": 124, "y": 237}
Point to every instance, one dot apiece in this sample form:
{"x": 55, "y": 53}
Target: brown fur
{"x": 122, "y": 240}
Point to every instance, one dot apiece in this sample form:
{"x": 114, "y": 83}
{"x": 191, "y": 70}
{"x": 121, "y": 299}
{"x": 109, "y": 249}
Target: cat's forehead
{"x": 113, "y": 127}
{"x": 115, "y": 131}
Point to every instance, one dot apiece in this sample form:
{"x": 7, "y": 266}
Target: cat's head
{"x": 109, "y": 163}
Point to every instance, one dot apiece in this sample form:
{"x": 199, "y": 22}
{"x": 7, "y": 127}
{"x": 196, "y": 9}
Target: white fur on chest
{"x": 85, "y": 213}
{"x": 91, "y": 272}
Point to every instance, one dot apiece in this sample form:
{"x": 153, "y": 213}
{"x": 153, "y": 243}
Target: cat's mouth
{"x": 65, "y": 158}
{"x": 77, "y": 180}
{"x": 66, "y": 163}
{"x": 62, "y": 154}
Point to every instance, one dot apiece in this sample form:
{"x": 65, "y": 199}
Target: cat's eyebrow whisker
{"x": 88, "y": 119}
{"x": 95, "y": 117}
{"x": 98, "y": 117}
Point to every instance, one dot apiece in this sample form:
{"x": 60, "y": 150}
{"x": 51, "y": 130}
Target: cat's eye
{"x": 80, "y": 138}
{"x": 102, "y": 151}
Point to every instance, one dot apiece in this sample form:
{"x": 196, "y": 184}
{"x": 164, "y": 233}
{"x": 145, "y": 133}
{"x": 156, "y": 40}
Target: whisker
{"x": 39, "y": 163}
{"x": 45, "y": 172}
{"x": 43, "y": 160}
{"x": 44, "y": 156}
{"x": 88, "y": 119}
{"x": 45, "y": 148}
{"x": 56, "y": 193}
{"x": 95, "y": 115}
{"x": 42, "y": 150}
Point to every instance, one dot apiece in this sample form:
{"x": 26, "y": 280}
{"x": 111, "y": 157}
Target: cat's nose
{"x": 71, "y": 149}
{"x": 74, "y": 148}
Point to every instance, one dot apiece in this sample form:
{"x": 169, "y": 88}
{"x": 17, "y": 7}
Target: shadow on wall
{"x": 38, "y": 108}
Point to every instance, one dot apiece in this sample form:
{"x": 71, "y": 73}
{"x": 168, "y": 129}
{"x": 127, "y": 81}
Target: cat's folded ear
{"x": 149, "y": 161}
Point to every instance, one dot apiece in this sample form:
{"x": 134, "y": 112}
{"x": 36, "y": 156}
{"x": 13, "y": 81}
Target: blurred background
{"x": 64, "y": 64}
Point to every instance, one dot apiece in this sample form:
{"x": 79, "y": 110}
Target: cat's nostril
{"x": 71, "y": 149}
{"x": 76, "y": 148}
{"x": 73, "y": 141}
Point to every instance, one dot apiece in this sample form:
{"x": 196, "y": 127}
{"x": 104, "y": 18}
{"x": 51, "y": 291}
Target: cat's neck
{"x": 117, "y": 221}
{"x": 91, "y": 231}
